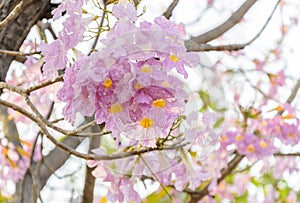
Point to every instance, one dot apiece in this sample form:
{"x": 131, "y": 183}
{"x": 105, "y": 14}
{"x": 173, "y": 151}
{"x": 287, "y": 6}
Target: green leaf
{"x": 207, "y": 103}
{"x": 159, "y": 196}
{"x": 241, "y": 199}
{"x": 61, "y": 139}
{"x": 219, "y": 122}
{"x": 230, "y": 179}
{"x": 255, "y": 182}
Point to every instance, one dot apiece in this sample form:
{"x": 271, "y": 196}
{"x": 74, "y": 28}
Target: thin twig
{"x": 24, "y": 93}
{"x": 92, "y": 134}
{"x": 18, "y": 109}
{"x": 169, "y": 11}
{"x": 64, "y": 176}
{"x": 12, "y": 88}
{"x": 44, "y": 84}
{"x": 17, "y": 53}
{"x": 294, "y": 92}
{"x": 197, "y": 195}
{"x": 155, "y": 177}
{"x": 13, "y": 14}
{"x": 101, "y": 24}
{"x": 287, "y": 154}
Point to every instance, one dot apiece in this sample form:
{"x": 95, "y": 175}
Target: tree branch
{"x": 232, "y": 47}
{"x": 17, "y": 53}
{"x": 288, "y": 154}
{"x": 44, "y": 84}
{"x": 88, "y": 191}
{"x": 69, "y": 149}
{"x": 15, "y": 28}
{"x": 221, "y": 29}
{"x": 294, "y": 92}
{"x": 196, "y": 196}
{"x": 9, "y": 127}
{"x": 169, "y": 11}
{"x": 12, "y": 14}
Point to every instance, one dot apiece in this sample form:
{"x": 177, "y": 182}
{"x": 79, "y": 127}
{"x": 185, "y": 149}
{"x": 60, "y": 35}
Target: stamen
{"x": 173, "y": 58}
{"x": 107, "y": 83}
{"x": 160, "y": 103}
{"x": 146, "y": 122}
{"x": 116, "y": 108}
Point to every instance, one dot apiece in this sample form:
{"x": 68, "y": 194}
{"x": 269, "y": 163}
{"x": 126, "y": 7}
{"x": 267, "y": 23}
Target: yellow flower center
{"x": 146, "y": 69}
{"x": 251, "y": 148}
{"x": 173, "y": 58}
{"x": 278, "y": 129}
{"x": 262, "y": 144}
{"x": 146, "y": 122}
{"x": 160, "y": 103}
{"x": 138, "y": 86}
{"x": 116, "y": 108}
{"x": 107, "y": 83}
{"x": 239, "y": 137}
{"x": 165, "y": 84}
{"x": 264, "y": 123}
{"x": 223, "y": 138}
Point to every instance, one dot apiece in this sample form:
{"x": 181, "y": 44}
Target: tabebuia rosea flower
{"x": 134, "y": 84}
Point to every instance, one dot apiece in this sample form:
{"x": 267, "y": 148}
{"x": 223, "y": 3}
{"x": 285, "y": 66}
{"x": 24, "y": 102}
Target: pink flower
{"x": 132, "y": 89}
{"x": 54, "y": 55}
{"x": 80, "y": 85}
{"x": 290, "y": 133}
{"x": 207, "y": 199}
{"x": 73, "y": 31}
{"x": 121, "y": 190}
{"x": 70, "y": 6}
{"x": 193, "y": 175}
{"x": 179, "y": 60}
{"x": 125, "y": 12}
{"x": 248, "y": 144}
{"x": 284, "y": 164}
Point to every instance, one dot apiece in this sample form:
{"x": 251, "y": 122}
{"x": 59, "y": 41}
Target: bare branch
{"x": 17, "y": 53}
{"x": 169, "y": 11}
{"x": 9, "y": 127}
{"x": 18, "y": 109}
{"x": 37, "y": 119}
{"x": 224, "y": 27}
{"x": 232, "y": 47}
{"x": 288, "y": 154}
{"x": 101, "y": 24}
{"x": 12, "y": 88}
{"x": 12, "y": 14}
{"x": 24, "y": 93}
{"x": 196, "y": 196}
{"x": 92, "y": 134}
{"x": 88, "y": 191}
{"x": 294, "y": 92}
{"x": 44, "y": 84}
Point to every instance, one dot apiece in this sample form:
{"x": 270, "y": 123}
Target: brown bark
{"x": 15, "y": 31}
{"x": 88, "y": 191}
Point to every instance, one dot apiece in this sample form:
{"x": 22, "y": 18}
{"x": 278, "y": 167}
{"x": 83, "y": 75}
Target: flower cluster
{"x": 55, "y": 53}
{"x": 15, "y": 160}
{"x": 259, "y": 140}
{"x": 130, "y": 83}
